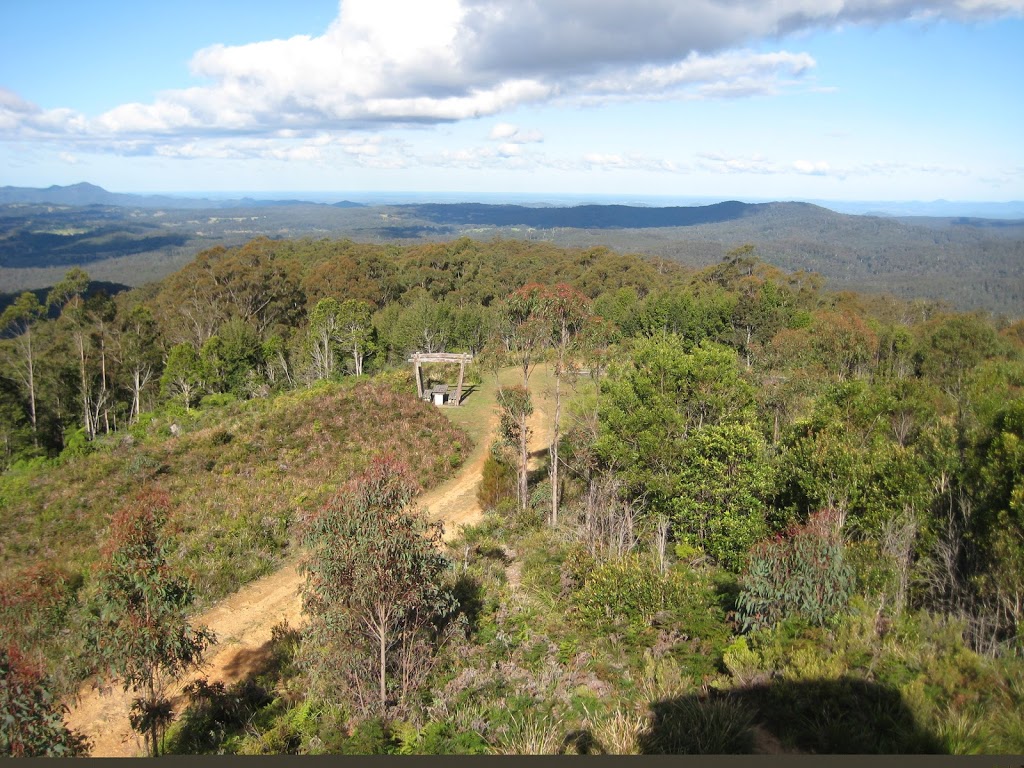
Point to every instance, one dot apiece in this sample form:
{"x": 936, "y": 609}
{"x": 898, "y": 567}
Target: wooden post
{"x": 458, "y": 391}
{"x": 419, "y": 377}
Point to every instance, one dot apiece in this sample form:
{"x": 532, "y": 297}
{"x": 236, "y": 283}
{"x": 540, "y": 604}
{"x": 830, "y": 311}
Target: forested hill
{"x": 586, "y": 216}
{"x": 972, "y": 264}
{"x": 770, "y": 517}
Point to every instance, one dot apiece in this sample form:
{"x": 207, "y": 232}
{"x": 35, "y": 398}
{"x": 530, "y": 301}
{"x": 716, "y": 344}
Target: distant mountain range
{"x": 970, "y": 261}
{"x": 90, "y": 194}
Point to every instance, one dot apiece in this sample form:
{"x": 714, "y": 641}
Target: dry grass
{"x": 618, "y": 734}
{"x": 238, "y": 480}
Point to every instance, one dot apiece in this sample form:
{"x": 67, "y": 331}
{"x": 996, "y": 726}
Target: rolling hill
{"x": 970, "y": 263}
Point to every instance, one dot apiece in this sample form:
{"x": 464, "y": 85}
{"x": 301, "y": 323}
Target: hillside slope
{"x": 243, "y": 621}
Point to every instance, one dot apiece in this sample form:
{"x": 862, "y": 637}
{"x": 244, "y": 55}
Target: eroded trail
{"x": 243, "y": 621}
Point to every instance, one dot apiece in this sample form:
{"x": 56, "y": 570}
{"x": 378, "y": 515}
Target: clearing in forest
{"x": 243, "y": 620}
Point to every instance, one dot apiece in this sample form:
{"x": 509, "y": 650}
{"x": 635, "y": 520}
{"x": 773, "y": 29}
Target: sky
{"x": 738, "y": 99}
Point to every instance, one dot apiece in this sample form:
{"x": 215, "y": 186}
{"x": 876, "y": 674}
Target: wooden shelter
{"x": 439, "y": 394}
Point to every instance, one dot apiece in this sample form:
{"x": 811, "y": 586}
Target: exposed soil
{"x": 243, "y": 621}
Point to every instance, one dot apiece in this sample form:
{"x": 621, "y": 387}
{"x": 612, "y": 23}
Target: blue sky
{"x": 792, "y": 99}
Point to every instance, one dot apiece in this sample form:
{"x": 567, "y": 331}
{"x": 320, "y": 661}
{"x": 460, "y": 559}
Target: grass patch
{"x": 238, "y": 477}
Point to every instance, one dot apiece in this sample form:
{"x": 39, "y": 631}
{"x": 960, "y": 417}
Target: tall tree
{"x": 137, "y": 353}
{"x": 567, "y": 311}
{"x": 141, "y": 632}
{"x": 523, "y": 328}
{"x": 356, "y": 331}
{"x": 374, "y": 590}
{"x": 516, "y": 407}
{"x": 69, "y": 296}
{"x": 182, "y": 374}
{"x": 669, "y": 412}
{"x": 322, "y": 337}
{"x": 18, "y": 320}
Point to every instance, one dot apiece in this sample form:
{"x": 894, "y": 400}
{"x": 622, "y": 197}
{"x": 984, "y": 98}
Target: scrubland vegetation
{"x": 781, "y": 519}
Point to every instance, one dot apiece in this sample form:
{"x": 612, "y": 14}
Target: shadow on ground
{"x": 842, "y": 716}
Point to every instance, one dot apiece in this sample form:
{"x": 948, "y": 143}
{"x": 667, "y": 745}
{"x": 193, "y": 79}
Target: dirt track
{"x": 242, "y": 622}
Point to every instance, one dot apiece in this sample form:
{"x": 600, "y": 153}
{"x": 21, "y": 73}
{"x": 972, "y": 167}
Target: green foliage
{"x": 677, "y": 426}
{"x": 31, "y": 718}
{"x": 803, "y": 574}
{"x": 374, "y": 588}
{"x": 77, "y": 444}
{"x": 901, "y": 419}
{"x": 631, "y": 593}
{"x": 217, "y": 400}
{"x": 141, "y": 632}
{"x": 215, "y": 713}
{"x": 370, "y": 737}
{"x": 229, "y": 361}
{"x": 723, "y": 481}
{"x": 183, "y": 374}
{"x": 497, "y": 481}
{"x": 441, "y": 737}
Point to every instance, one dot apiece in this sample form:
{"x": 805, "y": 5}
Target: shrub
{"x": 216, "y": 400}
{"x": 632, "y": 594}
{"x": 31, "y": 719}
{"x": 498, "y": 482}
{"x": 215, "y": 712}
{"x": 76, "y": 443}
{"x": 804, "y": 573}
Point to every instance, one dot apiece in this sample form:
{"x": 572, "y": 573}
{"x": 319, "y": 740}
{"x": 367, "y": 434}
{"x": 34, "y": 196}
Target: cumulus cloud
{"x": 395, "y": 62}
{"x": 818, "y": 168}
{"x": 513, "y": 134}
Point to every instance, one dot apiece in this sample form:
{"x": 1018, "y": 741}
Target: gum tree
{"x": 141, "y": 631}
{"x": 374, "y": 591}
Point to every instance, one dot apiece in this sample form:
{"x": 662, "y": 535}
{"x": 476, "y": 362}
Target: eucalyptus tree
{"x": 18, "y": 320}
{"x": 141, "y": 632}
{"x": 374, "y": 588}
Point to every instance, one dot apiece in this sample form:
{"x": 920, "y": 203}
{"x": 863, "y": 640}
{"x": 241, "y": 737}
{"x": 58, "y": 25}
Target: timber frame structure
{"x": 461, "y": 358}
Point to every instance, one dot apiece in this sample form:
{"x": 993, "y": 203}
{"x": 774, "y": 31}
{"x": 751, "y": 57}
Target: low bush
{"x": 803, "y": 573}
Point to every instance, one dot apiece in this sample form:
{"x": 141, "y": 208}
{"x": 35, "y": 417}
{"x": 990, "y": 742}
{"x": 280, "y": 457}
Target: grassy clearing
{"x": 238, "y": 476}
{"x": 476, "y": 414}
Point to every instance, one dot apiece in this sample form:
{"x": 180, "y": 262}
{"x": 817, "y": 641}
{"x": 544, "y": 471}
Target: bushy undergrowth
{"x": 237, "y": 477}
{"x": 803, "y": 573}
{"x": 571, "y": 655}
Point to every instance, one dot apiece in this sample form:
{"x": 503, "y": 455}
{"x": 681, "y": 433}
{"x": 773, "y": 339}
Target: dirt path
{"x": 243, "y": 621}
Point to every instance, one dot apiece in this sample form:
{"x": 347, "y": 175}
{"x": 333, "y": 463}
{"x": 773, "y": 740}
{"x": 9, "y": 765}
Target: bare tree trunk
{"x": 83, "y": 378}
{"x": 103, "y": 382}
{"x": 553, "y": 451}
{"x": 153, "y": 736}
{"x": 661, "y": 540}
{"x": 524, "y": 458}
{"x": 383, "y": 670}
{"x": 31, "y": 371}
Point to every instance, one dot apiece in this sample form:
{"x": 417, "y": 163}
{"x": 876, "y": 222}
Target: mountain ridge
{"x": 86, "y": 193}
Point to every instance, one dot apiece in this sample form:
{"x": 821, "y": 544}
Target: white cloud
{"x": 819, "y": 168}
{"x": 395, "y": 62}
{"x": 513, "y": 134}
{"x": 719, "y": 163}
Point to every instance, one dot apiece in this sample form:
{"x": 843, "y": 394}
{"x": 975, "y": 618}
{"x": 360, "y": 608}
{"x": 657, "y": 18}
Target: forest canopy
{"x": 745, "y": 467}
